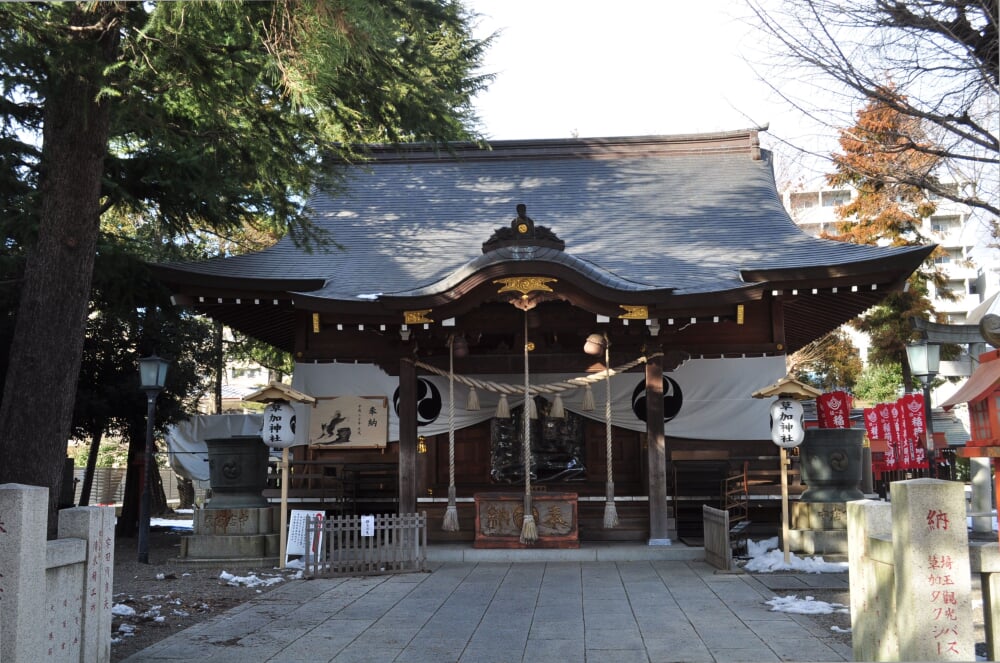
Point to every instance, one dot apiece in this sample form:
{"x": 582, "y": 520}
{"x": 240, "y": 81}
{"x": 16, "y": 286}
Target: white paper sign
{"x": 367, "y": 525}
{"x": 296, "y": 543}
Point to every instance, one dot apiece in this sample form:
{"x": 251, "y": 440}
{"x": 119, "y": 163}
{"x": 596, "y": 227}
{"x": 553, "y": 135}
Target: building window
{"x": 804, "y": 200}
{"x": 836, "y": 198}
{"x": 944, "y": 224}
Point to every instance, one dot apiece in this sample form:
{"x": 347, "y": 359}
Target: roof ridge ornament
{"x": 521, "y": 232}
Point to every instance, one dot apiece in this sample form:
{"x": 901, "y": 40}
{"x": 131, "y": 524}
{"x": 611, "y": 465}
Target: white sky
{"x": 623, "y": 68}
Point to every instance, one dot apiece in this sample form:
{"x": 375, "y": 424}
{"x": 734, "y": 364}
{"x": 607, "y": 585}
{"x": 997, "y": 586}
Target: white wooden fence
{"x": 366, "y": 545}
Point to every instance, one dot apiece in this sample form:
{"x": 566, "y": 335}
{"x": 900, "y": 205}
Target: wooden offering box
{"x": 499, "y": 517}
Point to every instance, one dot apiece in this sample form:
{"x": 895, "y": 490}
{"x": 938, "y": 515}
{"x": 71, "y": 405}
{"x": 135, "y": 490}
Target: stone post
{"x": 96, "y": 526}
{"x": 23, "y": 513}
{"x": 985, "y": 560}
{"x": 873, "y": 601}
{"x": 933, "y": 586}
{"x": 982, "y": 502}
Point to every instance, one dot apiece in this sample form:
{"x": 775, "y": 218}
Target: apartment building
{"x": 972, "y": 273}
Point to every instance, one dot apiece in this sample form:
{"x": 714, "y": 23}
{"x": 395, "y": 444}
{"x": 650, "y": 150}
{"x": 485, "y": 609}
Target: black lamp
{"x": 925, "y": 360}
{"x": 152, "y": 377}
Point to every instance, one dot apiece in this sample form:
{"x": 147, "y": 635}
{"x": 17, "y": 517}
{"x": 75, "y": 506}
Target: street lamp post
{"x": 152, "y": 377}
{"x": 925, "y": 359}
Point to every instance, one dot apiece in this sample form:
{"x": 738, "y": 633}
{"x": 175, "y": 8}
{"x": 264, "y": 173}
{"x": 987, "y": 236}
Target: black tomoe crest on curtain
{"x": 428, "y": 402}
{"x": 672, "y": 399}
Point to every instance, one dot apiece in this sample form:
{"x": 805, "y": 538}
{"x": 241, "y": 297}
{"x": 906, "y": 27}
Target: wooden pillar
{"x": 407, "y": 436}
{"x": 656, "y": 454}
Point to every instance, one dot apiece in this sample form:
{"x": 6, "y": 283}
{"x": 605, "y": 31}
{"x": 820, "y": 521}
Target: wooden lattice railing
{"x": 366, "y": 545}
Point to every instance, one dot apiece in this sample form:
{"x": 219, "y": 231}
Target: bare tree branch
{"x": 933, "y": 60}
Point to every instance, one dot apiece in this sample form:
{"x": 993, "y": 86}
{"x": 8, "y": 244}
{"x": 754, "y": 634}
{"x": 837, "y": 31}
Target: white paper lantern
{"x": 787, "y": 428}
{"x": 278, "y": 430}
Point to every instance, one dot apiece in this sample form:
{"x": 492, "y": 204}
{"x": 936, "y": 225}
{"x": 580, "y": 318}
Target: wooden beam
{"x": 778, "y": 323}
{"x": 656, "y": 455}
{"x": 407, "y": 435}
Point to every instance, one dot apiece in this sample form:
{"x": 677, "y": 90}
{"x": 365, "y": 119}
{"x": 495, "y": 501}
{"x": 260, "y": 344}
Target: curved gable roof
{"x": 687, "y": 215}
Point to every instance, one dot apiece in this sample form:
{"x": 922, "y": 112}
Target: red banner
{"x": 904, "y": 457}
{"x": 913, "y": 411}
{"x": 888, "y": 434}
{"x": 871, "y": 424}
{"x": 833, "y": 410}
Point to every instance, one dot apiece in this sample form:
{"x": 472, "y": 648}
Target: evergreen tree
{"x": 887, "y": 211}
{"x": 198, "y": 115}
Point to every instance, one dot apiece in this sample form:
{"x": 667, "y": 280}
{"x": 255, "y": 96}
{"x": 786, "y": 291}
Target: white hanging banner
{"x": 710, "y": 399}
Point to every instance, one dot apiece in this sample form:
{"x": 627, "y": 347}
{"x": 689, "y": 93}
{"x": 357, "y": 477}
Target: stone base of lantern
{"x": 818, "y": 528}
{"x": 248, "y": 536}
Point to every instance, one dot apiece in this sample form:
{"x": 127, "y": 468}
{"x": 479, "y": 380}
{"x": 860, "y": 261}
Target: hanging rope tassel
{"x": 503, "y": 407}
{"x": 588, "y": 399}
{"x": 472, "y": 404}
{"x": 532, "y": 408}
{"x": 529, "y": 532}
{"x": 557, "y": 411}
{"x": 610, "y": 511}
{"x": 451, "y": 513}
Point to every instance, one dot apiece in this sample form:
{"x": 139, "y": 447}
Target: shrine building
{"x": 456, "y": 285}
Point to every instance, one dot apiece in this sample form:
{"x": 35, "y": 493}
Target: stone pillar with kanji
{"x": 931, "y": 559}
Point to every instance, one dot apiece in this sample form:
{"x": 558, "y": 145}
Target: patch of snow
{"x": 122, "y": 610}
{"x": 765, "y": 558}
{"x": 126, "y": 629}
{"x": 172, "y": 523}
{"x": 837, "y": 629}
{"x": 806, "y": 606}
{"x": 251, "y": 580}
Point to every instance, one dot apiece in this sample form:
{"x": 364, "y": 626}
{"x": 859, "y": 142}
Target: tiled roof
{"x": 688, "y": 214}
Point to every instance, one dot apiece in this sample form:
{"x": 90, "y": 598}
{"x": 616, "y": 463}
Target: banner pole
{"x": 784, "y": 506}
{"x": 284, "y": 509}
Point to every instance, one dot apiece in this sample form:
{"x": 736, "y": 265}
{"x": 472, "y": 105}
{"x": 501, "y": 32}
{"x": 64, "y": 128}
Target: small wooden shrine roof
{"x": 983, "y": 382}
{"x": 667, "y": 222}
{"x": 788, "y": 387}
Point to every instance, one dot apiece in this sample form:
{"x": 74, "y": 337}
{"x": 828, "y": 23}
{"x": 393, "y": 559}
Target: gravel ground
{"x": 165, "y": 597}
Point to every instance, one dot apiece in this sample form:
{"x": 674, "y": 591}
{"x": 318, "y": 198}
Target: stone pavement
{"x": 649, "y": 610}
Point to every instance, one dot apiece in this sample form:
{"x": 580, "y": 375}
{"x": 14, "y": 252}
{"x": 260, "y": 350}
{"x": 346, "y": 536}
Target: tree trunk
{"x": 88, "y": 475}
{"x": 185, "y": 491}
{"x": 37, "y": 408}
{"x": 158, "y": 497}
{"x": 128, "y": 521}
